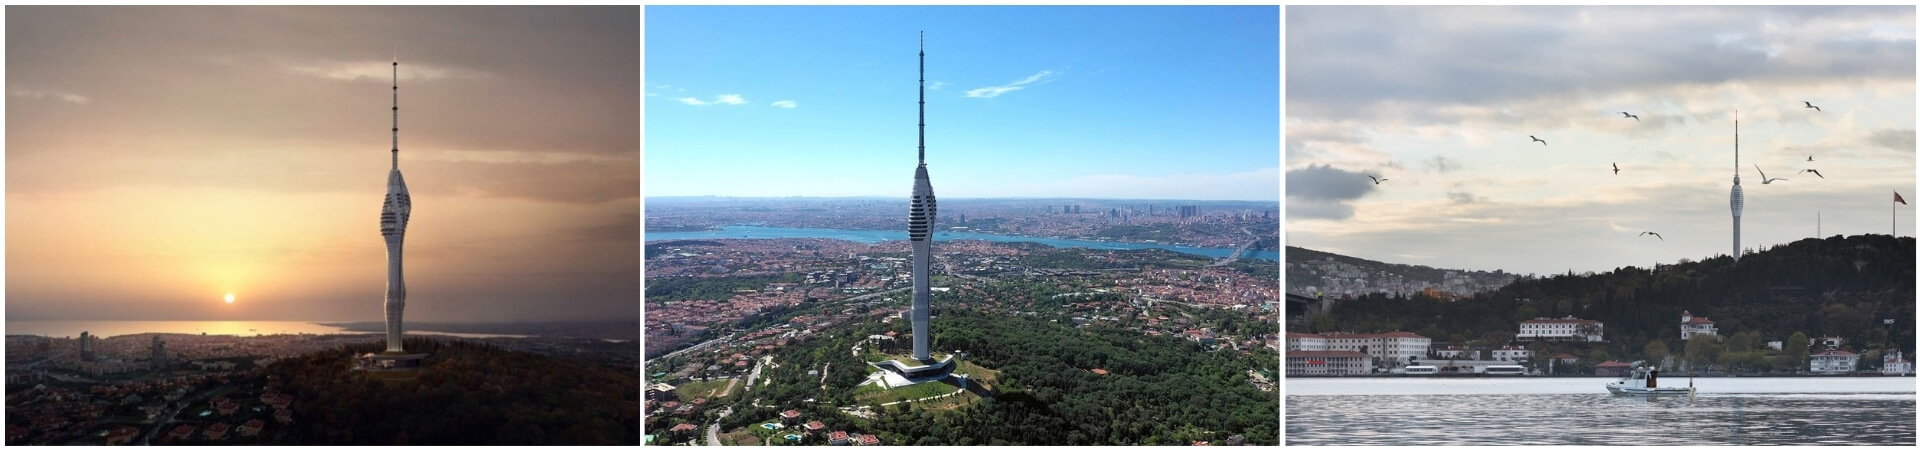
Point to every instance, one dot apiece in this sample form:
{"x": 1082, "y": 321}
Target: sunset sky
{"x": 160, "y": 158}
{"x": 1441, "y": 102}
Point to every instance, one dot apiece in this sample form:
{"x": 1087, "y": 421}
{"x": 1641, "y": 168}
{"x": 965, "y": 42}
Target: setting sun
{"x": 229, "y": 298}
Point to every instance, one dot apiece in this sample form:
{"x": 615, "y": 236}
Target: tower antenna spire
{"x": 396, "y": 109}
{"x": 923, "y": 98}
{"x": 1736, "y": 143}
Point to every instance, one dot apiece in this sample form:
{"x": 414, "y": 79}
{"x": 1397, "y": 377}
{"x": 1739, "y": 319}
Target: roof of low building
{"x": 1325, "y": 354}
{"x": 1613, "y": 364}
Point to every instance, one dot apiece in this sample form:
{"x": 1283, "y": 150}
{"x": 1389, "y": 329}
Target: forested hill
{"x": 1838, "y": 286}
{"x": 1313, "y": 268}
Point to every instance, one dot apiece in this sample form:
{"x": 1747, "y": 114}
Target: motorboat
{"x": 1645, "y": 381}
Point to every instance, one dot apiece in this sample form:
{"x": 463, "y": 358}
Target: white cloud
{"x": 995, "y": 91}
{"x": 374, "y": 70}
{"x": 36, "y": 94}
{"x": 936, "y": 85}
{"x": 788, "y": 104}
{"x": 727, "y": 99}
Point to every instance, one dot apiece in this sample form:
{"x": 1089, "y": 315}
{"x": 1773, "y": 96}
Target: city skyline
{"x": 1446, "y": 104}
{"x": 1150, "y": 103}
{"x": 159, "y": 158}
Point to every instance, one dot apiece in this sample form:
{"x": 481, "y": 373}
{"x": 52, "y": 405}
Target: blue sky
{"x": 1096, "y": 102}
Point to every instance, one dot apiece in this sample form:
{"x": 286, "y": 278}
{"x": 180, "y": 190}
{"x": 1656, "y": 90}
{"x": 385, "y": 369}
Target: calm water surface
{"x": 876, "y": 236}
{"x": 1578, "y": 411}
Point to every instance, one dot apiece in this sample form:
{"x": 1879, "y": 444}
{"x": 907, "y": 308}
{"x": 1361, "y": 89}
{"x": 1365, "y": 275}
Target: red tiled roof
{"x": 790, "y": 414}
{"x": 1099, "y": 371}
{"x": 1546, "y": 320}
{"x": 868, "y": 439}
{"x": 815, "y": 425}
{"x": 1613, "y": 364}
{"x": 684, "y": 427}
{"x": 1699, "y": 320}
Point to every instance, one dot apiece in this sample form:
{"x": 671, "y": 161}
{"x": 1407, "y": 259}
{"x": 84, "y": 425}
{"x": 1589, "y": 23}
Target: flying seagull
{"x": 1763, "y": 176}
{"x": 1616, "y": 168}
{"x": 1376, "y": 180}
{"x": 1810, "y": 105}
{"x": 1542, "y": 142}
{"x": 1815, "y": 172}
{"x": 1635, "y": 118}
{"x": 1645, "y": 233}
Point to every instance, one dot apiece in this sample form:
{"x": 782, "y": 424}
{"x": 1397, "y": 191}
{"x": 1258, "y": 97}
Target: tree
{"x": 1656, "y": 352}
{"x": 1703, "y": 349}
{"x": 1795, "y": 355}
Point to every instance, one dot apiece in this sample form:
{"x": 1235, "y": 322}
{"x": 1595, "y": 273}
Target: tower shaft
{"x": 394, "y": 213}
{"x": 920, "y": 221}
{"x": 1738, "y": 200}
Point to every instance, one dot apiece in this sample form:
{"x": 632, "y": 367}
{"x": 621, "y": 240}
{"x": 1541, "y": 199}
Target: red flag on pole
{"x": 1896, "y": 197}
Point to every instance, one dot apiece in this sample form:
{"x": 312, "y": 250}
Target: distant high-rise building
{"x": 394, "y": 214}
{"x": 1076, "y": 209}
{"x": 86, "y": 346}
{"x": 1189, "y": 211}
{"x": 963, "y": 220}
{"x": 919, "y": 227}
{"x": 1738, "y": 200}
{"x": 159, "y": 360}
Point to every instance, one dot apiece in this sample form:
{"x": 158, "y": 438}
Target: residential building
{"x": 1511, "y": 353}
{"x": 1328, "y": 363}
{"x": 1831, "y": 342}
{"x": 1893, "y": 364}
{"x": 1399, "y": 346}
{"x": 1564, "y": 329}
{"x": 1612, "y": 369}
{"x": 1306, "y": 342}
{"x": 1691, "y": 326}
{"x": 1833, "y": 361}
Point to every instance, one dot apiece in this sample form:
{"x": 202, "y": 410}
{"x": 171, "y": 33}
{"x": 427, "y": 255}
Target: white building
{"x": 1399, "y": 345}
{"x": 1328, "y": 363}
{"x": 1833, "y": 361}
{"x": 1511, "y": 353}
{"x": 1690, "y": 326}
{"x": 1306, "y": 342}
{"x": 1456, "y": 352}
{"x": 1893, "y": 364}
{"x": 1567, "y": 329}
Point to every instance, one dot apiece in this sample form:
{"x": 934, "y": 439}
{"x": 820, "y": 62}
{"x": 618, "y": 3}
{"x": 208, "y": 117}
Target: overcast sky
{"x": 1441, "y": 102}
{"x": 158, "y": 158}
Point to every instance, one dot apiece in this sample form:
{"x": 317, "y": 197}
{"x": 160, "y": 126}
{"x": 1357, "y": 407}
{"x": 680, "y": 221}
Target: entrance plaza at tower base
{"x": 389, "y": 361}
{"x": 901, "y": 373}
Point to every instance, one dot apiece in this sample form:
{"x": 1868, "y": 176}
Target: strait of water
{"x": 877, "y": 236}
{"x": 1579, "y": 411}
{"x": 111, "y": 328}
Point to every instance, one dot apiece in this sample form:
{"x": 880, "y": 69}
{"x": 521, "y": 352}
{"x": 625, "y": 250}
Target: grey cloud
{"x": 1442, "y": 164}
{"x": 1460, "y": 198}
{"x": 1896, "y": 139}
{"x": 1297, "y": 210}
{"x": 1341, "y": 60}
{"x": 1327, "y": 183}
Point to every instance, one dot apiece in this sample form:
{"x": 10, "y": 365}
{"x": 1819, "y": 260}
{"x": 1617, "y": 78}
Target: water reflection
{"x": 1600, "y": 419}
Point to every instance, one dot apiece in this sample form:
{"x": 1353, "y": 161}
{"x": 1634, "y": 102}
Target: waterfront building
{"x": 1328, "y": 363}
{"x": 1456, "y": 352}
{"x": 1512, "y": 354}
{"x": 1612, "y": 369}
{"x": 1306, "y": 342}
{"x": 1691, "y": 326}
{"x": 1564, "y": 329}
{"x": 1399, "y": 346}
{"x": 1894, "y": 364}
{"x": 1833, "y": 361}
